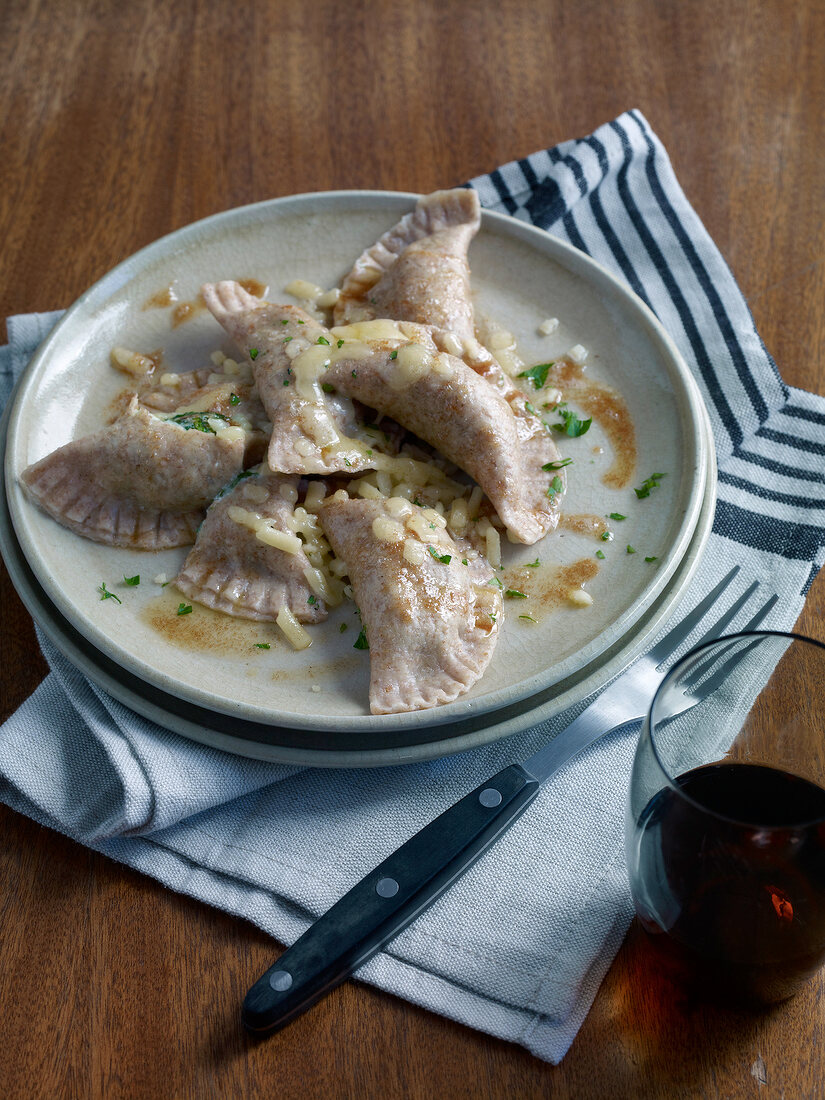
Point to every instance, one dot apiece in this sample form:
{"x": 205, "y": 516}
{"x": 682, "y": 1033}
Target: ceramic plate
{"x": 349, "y": 748}
{"x": 521, "y": 276}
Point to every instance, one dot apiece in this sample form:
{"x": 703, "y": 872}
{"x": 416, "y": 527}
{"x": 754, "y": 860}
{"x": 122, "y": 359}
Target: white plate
{"x": 347, "y": 749}
{"x": 520, "y": 276}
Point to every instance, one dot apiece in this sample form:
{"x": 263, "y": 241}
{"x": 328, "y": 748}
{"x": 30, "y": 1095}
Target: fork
{"x": 395, "y": 892}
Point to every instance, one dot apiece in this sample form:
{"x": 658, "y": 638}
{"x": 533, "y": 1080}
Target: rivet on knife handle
{"x": 386, "y": 900}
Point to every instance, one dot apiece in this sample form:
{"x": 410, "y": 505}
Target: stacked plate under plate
{"x": 205, "y": 678}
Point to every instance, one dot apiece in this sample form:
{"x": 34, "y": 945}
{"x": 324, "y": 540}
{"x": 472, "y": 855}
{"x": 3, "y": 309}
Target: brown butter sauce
{"x": 162, "y": 298}
{"x": 546, "y": 589}
{"x": 253, "y": 286}
{"x": 609, "y": 410}
{"x": 206, "y": 631}
{"x": 583, "y": 524}
{"x": 185, "y": 311}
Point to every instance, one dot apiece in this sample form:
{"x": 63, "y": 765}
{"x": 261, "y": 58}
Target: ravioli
{"x": 399, "y": 389}
{"x": 235, "y": 567}
{"x": 206, "y": 390}
{"x": 312, "y": 431}
{"x": 430, "y": 620}
{"x": 449, "y": 405}
{"x": 141, "y": 482}
{"x": 397, "y": 369}
{"x": 418, "y": 270}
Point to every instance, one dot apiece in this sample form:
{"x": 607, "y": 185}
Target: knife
{"x": 395, "y": 892}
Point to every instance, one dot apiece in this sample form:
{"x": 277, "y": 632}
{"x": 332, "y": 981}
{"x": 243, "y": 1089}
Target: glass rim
{"x": 670, "y": 779}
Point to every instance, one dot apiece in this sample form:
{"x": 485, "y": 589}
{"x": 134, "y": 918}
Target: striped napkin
{"x": 518, "y": 947}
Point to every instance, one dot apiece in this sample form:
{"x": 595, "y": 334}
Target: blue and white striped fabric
{"x": 519, "y": 946}
{"x": 614, "y": 196}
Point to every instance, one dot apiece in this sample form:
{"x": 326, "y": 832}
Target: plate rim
{"x": 690, "y": 405}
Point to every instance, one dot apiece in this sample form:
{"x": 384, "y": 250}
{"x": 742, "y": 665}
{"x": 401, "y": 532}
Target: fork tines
{"x": 683, "y": 629}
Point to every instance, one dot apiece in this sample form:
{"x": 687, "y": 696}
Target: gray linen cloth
{"x": 518, "y": 947}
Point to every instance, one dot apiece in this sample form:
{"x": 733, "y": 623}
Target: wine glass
{"x": 725, "y": 833}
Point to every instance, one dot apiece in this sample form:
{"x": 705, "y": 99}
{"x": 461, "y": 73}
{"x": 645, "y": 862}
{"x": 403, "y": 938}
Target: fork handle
{"x": 387, "y": 900}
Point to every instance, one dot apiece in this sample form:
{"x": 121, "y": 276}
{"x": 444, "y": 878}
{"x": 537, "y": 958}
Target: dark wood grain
{"x": 120, "y": 122}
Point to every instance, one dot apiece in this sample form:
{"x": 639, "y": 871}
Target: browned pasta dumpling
{"x": 141, "y": 482}
{"x": 247, "y": 561}
{"x": 437, "y": 396}
{"x": 313, "y": 431}
{"x": 418, "y": 270}
{"x": 430, "y": 620}
{"x": 396, "y": 368}
{"x": 207, "y": 391}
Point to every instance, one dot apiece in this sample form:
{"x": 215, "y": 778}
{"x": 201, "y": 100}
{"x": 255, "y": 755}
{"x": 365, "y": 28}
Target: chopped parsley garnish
{"x": 322, "y": 340}
{"x": 312, "y": 600}
{"x": 184, "y": 609}
{"x": 253, "y": 353}
{"x": 197, "y": 421}
{"x": 284, "y": 322}
{"x": 495, "y": 580}
{"x": 418, "y": 502}
{"x": 492, "y": 616}
{"x": 105, "y": 594}
{"x": 340, "y": 344}
{"x": 394, "y": 354}
{"x": 514, "y": 594}
{"x": 286, "y": 381}
{"x": 616, "y": 515}
{"x": 361, "y": 641}
{"x": 555, "y": 487}
{"x": 649, "y": 483}
{"x": 600, "y": 554}
{"x": 606, "y": 536}
{"x": 355, "y": 374}
{"x": 651, "y": 559}
{"x": 302, "y": 322}
{"x": 630, "y": 549}
{"x": 327, "y": 387}
{"x": 445, "y": 559}
{"x": 571, "y": 425}
{"x": 132, "y": 582}
{"x": 342, "y": 628}
{"x": 557, "y": 465}
{"x": 347, "y": 462}
{"x": 263, "y": 645}
{"x": 530, "y": 408}
{"x": 234, "y": 399}
{"x": 529, "y": 618}
{"x": 464, "y": 561}
{"x": 287, "y": 339}
{"x": 537, "y": 374}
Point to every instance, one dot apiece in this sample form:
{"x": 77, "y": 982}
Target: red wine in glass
{"x": 737, "y": 908}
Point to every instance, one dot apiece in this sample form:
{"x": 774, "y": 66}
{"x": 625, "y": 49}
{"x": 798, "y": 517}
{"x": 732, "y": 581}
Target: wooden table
{"x": 124, "y": 121}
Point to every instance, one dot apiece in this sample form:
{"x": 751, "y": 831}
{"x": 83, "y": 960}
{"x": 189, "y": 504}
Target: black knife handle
{"x": 387, "y": 900}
